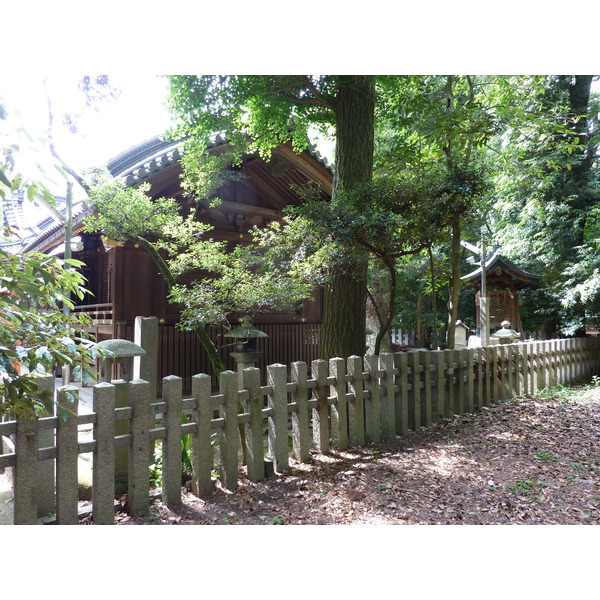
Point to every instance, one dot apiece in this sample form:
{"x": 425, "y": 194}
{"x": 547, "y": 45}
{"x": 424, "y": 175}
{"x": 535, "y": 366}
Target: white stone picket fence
{"x": 340, "y": 403}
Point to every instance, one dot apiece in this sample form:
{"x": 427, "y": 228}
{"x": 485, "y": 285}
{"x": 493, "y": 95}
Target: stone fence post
{"x": 146, "y": 336}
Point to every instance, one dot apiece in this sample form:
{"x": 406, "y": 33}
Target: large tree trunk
{"x": 455, "y": 283}
{"x": 344, "y": 299}
{"x": 454, "y": 291}
{"x": 578, "y": 177}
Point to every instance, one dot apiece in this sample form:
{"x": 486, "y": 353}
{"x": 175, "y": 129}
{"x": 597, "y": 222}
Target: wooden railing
{"x": 101, "y": 314}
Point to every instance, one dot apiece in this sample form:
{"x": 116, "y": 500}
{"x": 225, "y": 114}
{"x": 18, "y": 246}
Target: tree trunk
{"x": 383, "y": 300}
{"x": 433, "y": 298}
{"x": 345, "y": 297}
{"x": 455, "y": 283}
{"x": 420, "y": 330}
{"x": 454, "y": 291}
{"x": 580, "y": 174}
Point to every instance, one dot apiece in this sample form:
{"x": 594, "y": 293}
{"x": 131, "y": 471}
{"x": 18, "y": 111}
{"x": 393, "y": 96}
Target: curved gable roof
{"x": 154, "y": 155}
{"x": 499, "y": 269}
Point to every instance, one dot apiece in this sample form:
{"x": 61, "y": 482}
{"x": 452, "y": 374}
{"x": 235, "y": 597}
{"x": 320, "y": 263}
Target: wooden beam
{"x": 243, "y": 209}
{"x": 308, "y": 165}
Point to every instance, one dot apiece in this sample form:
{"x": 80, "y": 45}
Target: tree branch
{"x": 324, "y": 100}
{"x": 54, "y": 152}
{"x": 318, "y": 99}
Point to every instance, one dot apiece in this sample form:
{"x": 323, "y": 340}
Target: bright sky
{"x": 136, "y": 116}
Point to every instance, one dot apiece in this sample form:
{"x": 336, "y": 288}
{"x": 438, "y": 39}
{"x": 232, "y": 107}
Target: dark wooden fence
{"x": 180, "y": 353}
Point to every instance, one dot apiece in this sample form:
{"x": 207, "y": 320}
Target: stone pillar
{"x": 244, "y": 360}
{"x": 484, "y": 321}
{"x": 46, "y": 502}
{"x": 146, "y": 336}
{"x": 121, "y": 428}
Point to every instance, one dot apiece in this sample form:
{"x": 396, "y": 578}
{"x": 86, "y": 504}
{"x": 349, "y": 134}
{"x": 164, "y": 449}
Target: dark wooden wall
{"x": 180, "y": 353}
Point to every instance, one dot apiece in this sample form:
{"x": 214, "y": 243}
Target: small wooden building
{"x": 503, "y": 280}
{"x": 124, "y": 281}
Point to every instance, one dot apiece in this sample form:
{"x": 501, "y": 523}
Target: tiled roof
{"x": 135, "y": 166}
{"x": 140, "y": 162}
{"x": 27, "y": 219}
{"x": 148, "y": 156}
{"x": 497, "y": 261}
{"x": 55, "y": 230}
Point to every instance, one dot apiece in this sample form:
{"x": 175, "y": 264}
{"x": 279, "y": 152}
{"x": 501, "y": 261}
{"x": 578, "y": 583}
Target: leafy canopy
{"x": 35, "y": 334}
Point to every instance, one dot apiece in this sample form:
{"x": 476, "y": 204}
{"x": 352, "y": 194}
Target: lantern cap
{"x": 245, "y": 330}
{"x": 122, "y": 348}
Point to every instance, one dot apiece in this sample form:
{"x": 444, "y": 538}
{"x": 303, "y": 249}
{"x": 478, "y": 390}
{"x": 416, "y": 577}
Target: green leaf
{"x": 32, "y": 192}
{"x": 4, "y": 179}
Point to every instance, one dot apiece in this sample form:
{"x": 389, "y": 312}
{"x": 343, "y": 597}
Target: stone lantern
{"x": 506, "y": 335}
{"x": 123, "y": 352}
{"x": 245, "y": 336}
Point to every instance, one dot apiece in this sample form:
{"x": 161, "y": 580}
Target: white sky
{"x": 137, "y": 115}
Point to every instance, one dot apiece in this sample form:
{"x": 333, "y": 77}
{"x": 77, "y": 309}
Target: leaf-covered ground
{"x": 526, "y": 461}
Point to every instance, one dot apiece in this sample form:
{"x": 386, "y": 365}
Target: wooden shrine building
{"x": 124, "y": 281}
{"x": 503, "y": 280}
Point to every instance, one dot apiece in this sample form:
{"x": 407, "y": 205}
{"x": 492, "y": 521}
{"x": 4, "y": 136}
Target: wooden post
{"x": 425, "y": 366}
{"x": 561, "y": 361}
{"x": 558, "y": 348}
{"x": 255, "y": 449}
{"x": 545, "y": 351}
{"x": 553, "y": 362}
{"x": 440, "y": 384}
{"x": 67, "y": 484}
{"x": 339, "y": 410}
{"x": 139, "y": 449}
{"x": 25, "y": 473}
{"x": 470, "y": 384}
{"x": 510, "y": 375}
{"x": 478, "y": 384}
{"x": 414, "y": 408}
{"x": 564, "y": 361}
{"x": 372, "y": 401}
{"x": 449, "y": 368}
{"x": 300, "y": 418}
{"x": 401, "y": 362}
{"x": 103, "y": 474}
{"x": 532, "y": 366}
{"x": 228, "y": 387}
{"x": 540, "y": 367}
{"x": 202, "y": 451}
{"x": 321, "y": 412}
{"x": 278, "y": 422}
{"x": 459, "y": 357}
{"x": 502, "y": 362}
{"x": 494, "y": 374}
{"x": 488, "y": 376}
{"x": 172, "y": 387}
{"x": 578, "y": 360}
{"x": 356, "y": 408}
{"x": 388, "y": 405}
{"x": 524, "y": 360}
{"x": 517, "y": 364}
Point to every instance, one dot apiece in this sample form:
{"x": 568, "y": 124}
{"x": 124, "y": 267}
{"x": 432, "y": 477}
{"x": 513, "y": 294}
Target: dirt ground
{"x": 532, "y": 461}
